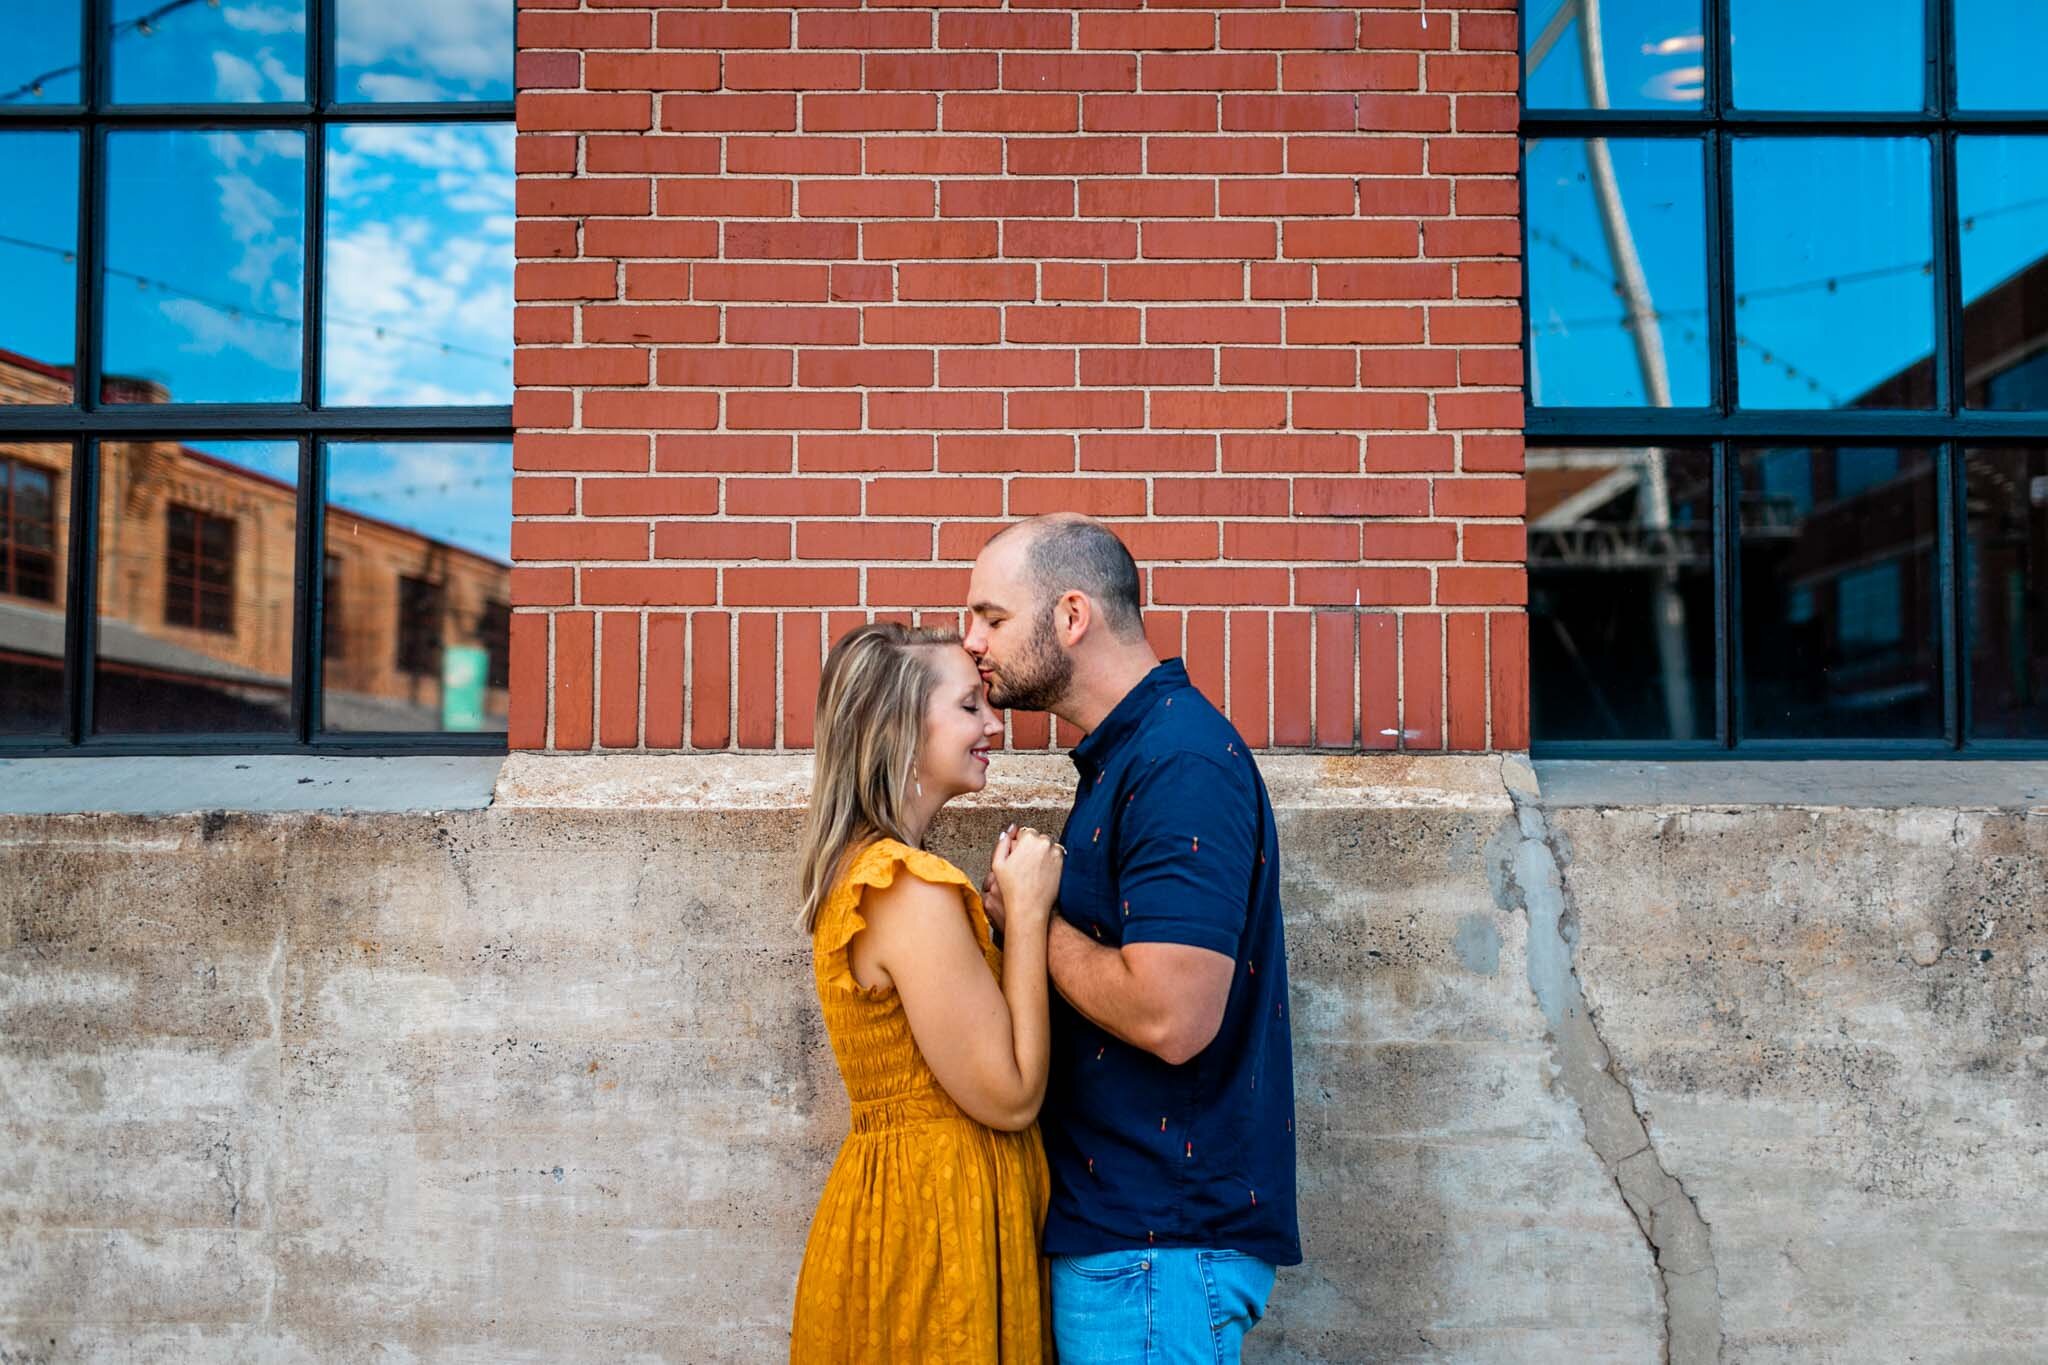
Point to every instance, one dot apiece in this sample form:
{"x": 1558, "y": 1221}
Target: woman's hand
{"x": 1026, "y": 873}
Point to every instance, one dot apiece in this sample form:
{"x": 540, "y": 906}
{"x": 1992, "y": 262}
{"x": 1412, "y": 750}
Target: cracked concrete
{"x": 1529, "y": 878}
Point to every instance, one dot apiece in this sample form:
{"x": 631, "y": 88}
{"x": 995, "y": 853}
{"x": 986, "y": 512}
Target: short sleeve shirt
{"x": 1172, "y": 840}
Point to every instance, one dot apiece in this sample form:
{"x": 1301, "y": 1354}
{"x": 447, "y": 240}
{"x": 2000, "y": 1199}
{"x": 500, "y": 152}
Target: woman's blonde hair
{"x": 872, "y": 697}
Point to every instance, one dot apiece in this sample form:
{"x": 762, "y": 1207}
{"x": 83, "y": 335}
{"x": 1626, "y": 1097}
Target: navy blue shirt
{"x": 1171, "y": 840}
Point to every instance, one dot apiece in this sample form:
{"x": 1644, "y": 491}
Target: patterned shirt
{"x": 1171, "y": 840}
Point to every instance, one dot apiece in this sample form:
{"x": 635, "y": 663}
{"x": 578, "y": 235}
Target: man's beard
{"x": 1039, "y": 681}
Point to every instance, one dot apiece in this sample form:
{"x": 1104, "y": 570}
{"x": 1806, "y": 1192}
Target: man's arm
{"x": 1167, "y": 998}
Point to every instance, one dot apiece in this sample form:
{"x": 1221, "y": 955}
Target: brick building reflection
{"x": 196, "y": 569}
{"x": 1840, "y": 582}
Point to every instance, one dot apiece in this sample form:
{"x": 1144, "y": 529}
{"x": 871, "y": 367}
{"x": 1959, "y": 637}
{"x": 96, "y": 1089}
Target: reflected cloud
{"x": 440, "y": 49}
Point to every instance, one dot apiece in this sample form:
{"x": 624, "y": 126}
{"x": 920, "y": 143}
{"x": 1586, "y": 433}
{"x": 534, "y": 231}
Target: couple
{"x": 1158, "y": 1065}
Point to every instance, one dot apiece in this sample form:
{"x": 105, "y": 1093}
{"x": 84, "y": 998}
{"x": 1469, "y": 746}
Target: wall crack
{"x": 1528, "y": 877}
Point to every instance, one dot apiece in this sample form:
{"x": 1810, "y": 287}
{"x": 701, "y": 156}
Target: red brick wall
{"x": 812, "y": 298}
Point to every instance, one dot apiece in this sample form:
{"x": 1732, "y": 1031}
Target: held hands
{"x": 1023, "y": 880}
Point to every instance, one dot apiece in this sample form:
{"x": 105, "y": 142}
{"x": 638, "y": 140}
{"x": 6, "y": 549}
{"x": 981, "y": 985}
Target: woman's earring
{"x": 920, "y": 787}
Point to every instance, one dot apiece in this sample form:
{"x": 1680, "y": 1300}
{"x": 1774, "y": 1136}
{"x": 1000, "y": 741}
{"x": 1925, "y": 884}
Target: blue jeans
{"x": 1156, "y": 1306}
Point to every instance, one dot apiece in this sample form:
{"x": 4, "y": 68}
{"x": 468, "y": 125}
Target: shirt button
{"x": 1144, "y": 1265}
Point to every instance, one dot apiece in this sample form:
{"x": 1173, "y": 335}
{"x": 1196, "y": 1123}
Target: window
{"x": 259, "y": 266}
{"x": 1787, "y": 302}
{"x": 28, "y": 530}
{"x": 199, "y": 570}
{"x": 494, "y": 632}
{"x": 420, "y": 607}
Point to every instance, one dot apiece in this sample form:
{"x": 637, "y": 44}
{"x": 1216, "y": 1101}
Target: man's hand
{"x": 991, "y": 891}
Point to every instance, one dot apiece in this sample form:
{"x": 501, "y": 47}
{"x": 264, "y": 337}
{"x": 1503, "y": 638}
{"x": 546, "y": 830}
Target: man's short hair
{"x": 1077, "y": 554}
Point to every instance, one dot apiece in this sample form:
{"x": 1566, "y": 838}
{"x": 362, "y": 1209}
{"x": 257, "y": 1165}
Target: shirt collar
{"x": 1099, "y": 744}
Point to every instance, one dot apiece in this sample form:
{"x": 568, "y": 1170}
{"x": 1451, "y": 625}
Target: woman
{"x": 925, "y": 1243}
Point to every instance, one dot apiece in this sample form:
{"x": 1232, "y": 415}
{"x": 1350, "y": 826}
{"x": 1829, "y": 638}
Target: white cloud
{"x": 210, "y": 331}
{"x": 380, "y": 86}
{"x": 264, "y": 19}
{"x": 236, "y": 79}
{"x": 467, "y": 43}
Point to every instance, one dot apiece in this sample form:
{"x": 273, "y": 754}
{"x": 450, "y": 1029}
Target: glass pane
{"x": 1643, "y": 54}
{"x": 423, "y": 50}
{"x": 1617, "y": 273}
{"x": 1621, "y": 594}
{"x": 2008, "y": 592}
{"x": 419, "y": 568}
{"x": 1828, "y": 54}
{"x": 39, "y": 262}
{"x": 419, "y": 265}
{"x": 1834, "y": 287}
{"x": 1998, "y": 54}
{"x": 250, "y": 52}
{"x": 205, "y": 253}
{"x": 1840, "y": 604}
{"x": 197, "y": 558}
{"x": 39, "y": 60}
{"x": 35, "y": 520}
{"x": 2004, "y": 219}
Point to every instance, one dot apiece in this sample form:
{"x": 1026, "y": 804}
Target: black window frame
{"x": 1948, "y": 427}
{"x": 11, "y": 549}
{"x": 191, "y": 613}
{"x": 87, "y": 421}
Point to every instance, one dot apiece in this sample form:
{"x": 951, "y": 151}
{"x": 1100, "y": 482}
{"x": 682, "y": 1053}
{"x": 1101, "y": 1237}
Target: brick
{"x": 1289, "y": 453}
{"x": 728, "y": 113}
{"x": 1047, "y": 237}
{"x": 1261, "y": 540}
{"x": 721, "y": 541}
{"x": 1464, "y": 411}
{"x": 528, "y": 727}
{"x": 928, "y": 411}
{"x": 809, "y": 586}
{"x": 1293, "y": 716}
{"x": 792, "y": 241}
{"x": 645, "y": 237}
{"x": 532, "y": 365}
{"x": 779, "y": 283}
{"x": 1471, "y": 238}
{"x": 1429, "y": 540}
{"x": 650, "y": 71}
{"x": 1187, "y": 282}
{"x": 916, "y": 587}
{"x": 536, "y": 408}
{"x": 1384, "y": 368}
{"x": 574, "y": 667}
{"x": 1149, "y": 113}
{"x": 949, "y": 155}
{"x": 1491, "y": 454}
{"x": 793, "y": 326}
{"x": 1209, "y": 325}
{"x": 1508, "y": 650}
{"x": 864, "y": 368}
{"x": 1473, "y": 156}
{"x": 1178, "y": 454}
{"x": 1071, "y": 282}
{"x": 1286, "y": 198}
{"x": 805, "y": 71}
{"x": 579, "y": 198}
{"x": 901, "y": 241}
{"x": 1144, "y": 367}
{"x": 722, "y": 454}
{"x": 1099, "y": 409}
{"x": 905, "y": 325}
{"x": 1168, "y": 541}
{"x": 1216, "y": 586}
{"x": 963, "y": 283}
{"x": 537, "y": 155}
{"x": 1466, "y": 681}
{"x": 1035, "y": 325}
{"x": 1006, "y": 199}
{"x": 534, "y": 586}
{"x": 792, "y": 411}
{"x": 1209, "y": 241}
{"x": 1224, "y": 156}
{"x": 1204, "y": 654}
{"x": 1354, "y": 155}
{"x": 1218, "y": 411}
{"x": 650, "y": 411}
{"x": 1387, "y": 453}
{"x": 1383, "y": 113}
{"x": 806, "y": 497}
{"x": 1250, "y": 672}
{"x": 1475, "y": 323}
{"x": 862, "y": 32}
{"x": 1350, "y": 71}
{"x": 1288, "y": 113}
{"x": 583, "y": 30}
{"x": 1482, "y": 587}
{"x": 724, "y": 367}
{"x": 1220, "y": 497}
{"x": 1086, "y": 155}
{"x": 561, "y": 540}
{"x": 992, "y": 369}
{"x": 650, "y": 323}
{"x": 1210, "y": 71}
{"x": 870, "y": 113}
{"x": 1325, "y": 325}
{"x": 754, "y": 725}
{"x": 1388, "y": 280}
{"x": 541, "y": 280}
{"x": 931, "y": 496}
{"x": 934, "y": 71}
{"x": 801, "y": 666}
{"x": 1005, "y": 30}
{"x": 584, "y": 113}
{"x": 682, "y": 28}
{"x": 1379, "y": 699}
{"x": 1336, "y": 711}
{"x": 1142, "y": 32}
{"x": 710, "y": 687}
{"x": 547, "y": 70}
{"x": 1290, "y": 367}
{"x": 531, "y": 324}
{"x": 1318, "y": 237}
{"x": 533, "y": 497}
{"x": 619, "y": 699}
{"x": 1316, "y": 411}
{"x": 1497, "y": 544}
{"x": 1081, "y": 71}
{"x": 1364, "y": 586}
{"x": 865, "y": 542}
{"x": 1275, "y": 280}
{"x": 1336, "y": 30}
{"x": 1481, "y": 73}
{"x": 1359, "y": 497}
{"x": 1422, "y": 682}
{"x": 1098, "y": 497}
{"x": 732, "y": 196}
{"x": 1487, "y": 199}
{"x": 1012, "y": 113}
{"x": 1006, "y": 454}
{"x": 661, "y": 495}
{"x": 863, "y": 454}
{"x": 1410, "y": 196}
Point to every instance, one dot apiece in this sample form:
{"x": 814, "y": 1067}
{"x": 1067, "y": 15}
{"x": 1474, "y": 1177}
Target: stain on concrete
{"x": 1477, "y": 944}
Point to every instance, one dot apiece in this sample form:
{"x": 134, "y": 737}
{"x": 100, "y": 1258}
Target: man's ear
{"x": 1073, "y": 616}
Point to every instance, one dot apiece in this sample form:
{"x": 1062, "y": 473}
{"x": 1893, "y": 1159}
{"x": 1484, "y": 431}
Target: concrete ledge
{"x": 1893, "y": 784}
{"x": 263, "y": 783}
{"x": 735, "y": 782}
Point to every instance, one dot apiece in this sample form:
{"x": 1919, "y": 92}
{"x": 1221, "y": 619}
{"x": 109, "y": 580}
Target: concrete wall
{"x": 545, "y": 1082}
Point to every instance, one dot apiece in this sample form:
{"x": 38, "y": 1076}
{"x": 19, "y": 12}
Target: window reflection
{"x": 418, "y": 307}
{"x": 1834, "y": 288}
{"x": 1828, "y": 54}
{"x": 2003, "y": 217}
{"x": 204, "y": 254}
{"x": 418, "y": 577}
{"x": 423, "y": 50}
{"x": 208, "y": 51}
{"x": 197, "y": 556}
{"x": 1840, "y": 608}
{"x": 39, "y": 60}
{"x": 1998, "y": 54}
{"x": 1617, "y": 273}
{"x": 2006, "y": 589}
{"x": 1621, "y": 593}
{"x": 1641, "y": 54}
{"x": 35, "y": 518}
{"x": 39, "y": 262}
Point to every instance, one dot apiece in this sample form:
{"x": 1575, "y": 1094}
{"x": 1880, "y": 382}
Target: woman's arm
{"x": 988, "y": 1045}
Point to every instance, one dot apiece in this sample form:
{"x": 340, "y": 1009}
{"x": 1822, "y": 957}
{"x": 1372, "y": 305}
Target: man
{"x": 1169, "y": 1118}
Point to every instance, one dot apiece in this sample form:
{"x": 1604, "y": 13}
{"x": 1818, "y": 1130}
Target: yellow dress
{"x": 925, "y": 1244}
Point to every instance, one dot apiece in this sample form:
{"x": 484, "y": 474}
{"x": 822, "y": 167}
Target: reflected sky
{"x": 38, "y": 236}
{"x": 419, "y": 265}
{"x": 39, "y": 60}
{"x": 251, "y": 51}
{"x": 1652, "y": 50}
{"x": 423, "y": 50}
{"x": 454, "y": 491}
{"x": 1828, "y": 54}
{"x": 1998, "y": 53}
{"x": 239, "y": 199}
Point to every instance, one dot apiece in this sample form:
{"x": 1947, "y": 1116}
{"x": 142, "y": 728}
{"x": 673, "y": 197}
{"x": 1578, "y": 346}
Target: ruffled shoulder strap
{"x": 878, "y": 865}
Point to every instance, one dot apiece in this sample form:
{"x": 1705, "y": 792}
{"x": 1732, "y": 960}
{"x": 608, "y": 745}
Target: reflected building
{"x": 197, "y": 562}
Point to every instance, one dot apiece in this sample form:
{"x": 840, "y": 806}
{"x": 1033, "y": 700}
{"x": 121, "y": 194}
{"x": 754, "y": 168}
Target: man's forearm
{"x": 1094, "y": 978}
